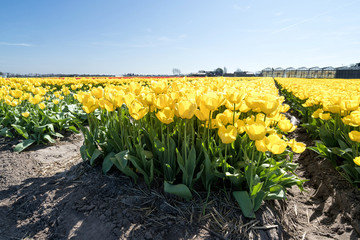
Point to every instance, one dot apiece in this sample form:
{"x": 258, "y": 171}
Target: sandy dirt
{"x": 48, "y": 192}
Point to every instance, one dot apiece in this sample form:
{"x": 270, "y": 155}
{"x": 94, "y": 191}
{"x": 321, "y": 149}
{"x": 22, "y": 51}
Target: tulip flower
{"x": 212, "y": 100}
{"x": 106, "y": 104}
{"x": 355, "y": 136}
{"x": 16, "y": 93}
{"x": 261, "y": 145}
{"x": 25, "y": 114}
{"x": 137, "y": 110}
{"x": 159, "y": 86}
{"x": 286, "y": 126}
{"x": 297, "y": 147}
{"x": 256, "y": 130}
{"x": 202, "y": 113}
{"x": 240, "y": 126}
{"x": 324, "y": 116}
{"x": 42, "y": 106}
{"x": 97, "y": 92}
{"x": 275, "y": 144}
{"x": 227, "y": 134}
{"x": 165, "y": 115}
{"x": 186, "y": 109}
{"x": 357, "y": 161}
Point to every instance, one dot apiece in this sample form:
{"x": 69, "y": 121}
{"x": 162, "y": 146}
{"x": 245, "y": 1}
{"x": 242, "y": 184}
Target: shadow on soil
{"x": 81, "y": 203}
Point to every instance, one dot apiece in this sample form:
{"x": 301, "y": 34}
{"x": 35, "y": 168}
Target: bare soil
{"x": 48, "y": 192}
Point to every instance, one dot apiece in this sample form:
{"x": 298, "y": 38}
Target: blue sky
{"x": 153, "y": 37}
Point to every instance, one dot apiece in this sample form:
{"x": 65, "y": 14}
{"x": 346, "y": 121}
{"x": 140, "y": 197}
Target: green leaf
{"x": 121, "y": 162}
{"x": 21, "y": 130}
{"x": 327, "y": 137}
{"x": 6, "y": 132}
{"x": 245, "y": 203}
{"x": 258, "y": 200}
{"x": 256, "y": 188}
{"x": 24, "y": 144}
{"x": 49, "y": 139}
{"x": 56, "y": 134}
{"x": 180, "y": 161}
{"x": 73, "y": 129}
{"x": 83, "y": 152}
{"x": 276, "y": 192}
{"x": 180, "y": 190}
{"x": 142, "y": 167}
{"x": 97, "y": 153}
{"x": 107, "y": 163}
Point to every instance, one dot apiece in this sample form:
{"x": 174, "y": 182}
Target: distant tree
{"x": 238, "y": 70}
{"x": 176, "y": 71}
{"x": 219, "y": 72}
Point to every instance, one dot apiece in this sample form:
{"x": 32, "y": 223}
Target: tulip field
{"x": 330, "y": 112}
{"x": 192, "y": 133}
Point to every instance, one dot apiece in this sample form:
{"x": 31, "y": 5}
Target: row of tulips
{"x": 194, "y": 134}
{"x": 331, "y": 114}
{"x": 37, "y": 112}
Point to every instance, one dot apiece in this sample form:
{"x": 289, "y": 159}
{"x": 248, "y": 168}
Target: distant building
{"x": 348, "y": 72}
{"x": 290, "y": 72}
{"x": 314, "y": 72}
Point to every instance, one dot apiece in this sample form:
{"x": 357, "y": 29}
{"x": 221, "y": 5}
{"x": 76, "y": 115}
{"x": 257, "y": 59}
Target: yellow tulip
{"x": 129, "y": 98}
{"x": 231, "y": 106}
{"x": 202, "y": 113}
{"x": 90, "y": 103}
{"x": 240, "y": 126}
{"x": 106, "y": 104}
{"x": 42, "y": 106}
{"x": 355, "y": 136}
{"x": 324, "y": 116}
{"x": 186, "y": 109}
{"x": 316, "y": 113}
{"x": 256, "y": 130}
{"x": 159, "y": 86}
{"x": 35, "y": 100}
{"x": 213, "y": 124}
{"x": 135, "y": 88}
{"x": 350, "y": 105}
{"x": 234, "y": 96}
{"x": 97, "y": 92}
{"x": 333, "y": 108}
{"x": 261, "y": 145}
{"x": 297, "y": 147}
{"x": 212, "y": 101}
{"x": 284, "y": 108}
{"x": 227, "y": 134}
{"x": 286, "y": 126}
{"x": 166, "y": 115}
{"x": 269, "y": 104}
{"x": 117, "y": 99}
{"x": 275, "y": 144}
{"x": 55, "y": 101}
{"x": 16, "y": 93}
{"x": 25, "y": 114}
{"x": 137, "y": 110}
{"x": 357, "y": 161}
{"x": 163, "y": 100}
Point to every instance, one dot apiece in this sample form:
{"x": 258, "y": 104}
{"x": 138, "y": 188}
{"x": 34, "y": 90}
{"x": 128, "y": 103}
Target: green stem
{"x": 185, "y": 142}
{"x": 234, "y": 115}
{"x": 251, "y": 168}
{"x": 208, "y": 131}
{"x": 225, "y": 169}
{"x": 193, "y": 132}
